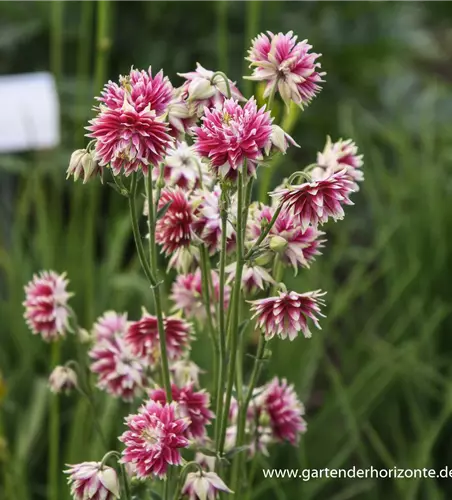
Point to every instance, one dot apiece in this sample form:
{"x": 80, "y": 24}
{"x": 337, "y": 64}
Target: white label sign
{"x": 29, "y": 112}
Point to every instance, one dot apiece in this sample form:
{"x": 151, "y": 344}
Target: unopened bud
{"x": 82, "y": 164}
{"x": 62, "y": 379}
{"x": 84, "y": 336}
{"x": 264, "y": 259}
{"x": 278, "y": 243}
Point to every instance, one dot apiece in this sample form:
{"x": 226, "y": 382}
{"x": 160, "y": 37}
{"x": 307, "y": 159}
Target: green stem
{"x": 205, "y": 271}
{"x": 264, "y": 233}
{"x": 57, "y": 40}
{"x": 54, "y": 432}
{"x": 271, "y": 97}
{"x": 222, "y": 34}
{"x": 234, "y": 323}
{"x": 136, "y": 231}
{"x": 222, "y": 314}
{"x": 183, "y": 475}
{"x": 125, "y": 480}
{"x": 156, "y": 289}
{"x": 226, "y": 81}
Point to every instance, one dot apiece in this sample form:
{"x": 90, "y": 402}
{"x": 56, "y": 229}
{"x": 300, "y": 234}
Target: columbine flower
{"x": 204, "y": 486}
{"x": 109, "y": 324}
{"x": 207, "y": 224}
{"x": 83, "y": 164}
{"x": 285, "y": 410}
{"x": 143, "y": 337}
{"x": 46, "y": 311}
{"x": 314, "y": 202}
{"x": 62, "y": 379}
{"x": 120, "y": 372}
{"x": 287, "y": 314}
{"x": 253, "y": 277}
{"x": 231, "y": 134}
{"x": 201, "y": 92}
{"x": 154, "y": 439}
{"x": 174, "y": 229}
{"x": 295, "y": 246}
{"x": 184, "y": 259}
{"x": 287, "y": 66}
{"x": 127, "y": 139}
{"x": 186, "y": 293}
{"x": 185, "y": 372}
{"x": 339, "y": 155}
{"x": 280, "y": 140}
{"x": 91, "y": 481}
{"x": 141, "y": 89}
{"x": 183, "y": 167}
{"x": 191, "y": 404}
{"x": 180, "y": 115}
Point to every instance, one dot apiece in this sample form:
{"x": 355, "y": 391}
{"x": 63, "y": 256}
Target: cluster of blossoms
{"x": 199, "y": 148}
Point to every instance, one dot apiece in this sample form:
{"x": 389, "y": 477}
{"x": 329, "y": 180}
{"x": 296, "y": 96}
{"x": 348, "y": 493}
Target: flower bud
{"x": 278, "y": 243}
{"x": 83, "y": 164}
{"x": 280, "y": 140}
{"x": 263, "y": 259}
{"x": 107, "y": 476}
{"x": 62, "y": 379}
{"x": 84, "y": 336}
{"x": 200, "y": 89}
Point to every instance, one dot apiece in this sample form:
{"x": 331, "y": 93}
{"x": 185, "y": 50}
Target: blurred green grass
{"x": 376, "y": 379}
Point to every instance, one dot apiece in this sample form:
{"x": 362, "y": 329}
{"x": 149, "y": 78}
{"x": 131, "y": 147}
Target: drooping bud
{"x": 203, "y": 485}
{"x": 278, "y": 244}
{"x": 62, "y": 379}
{"x": 82, "y": 164}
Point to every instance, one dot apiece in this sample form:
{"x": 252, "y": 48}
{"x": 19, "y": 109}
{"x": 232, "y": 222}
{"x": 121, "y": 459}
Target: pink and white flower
{"x": 186, "y": 293}
{"x": 207, "y": 224}
{"x": 183, "y": 167}
{"x": 92, "y": 481}
{"x": 174, "y": 229}
{"x": 185, "y": 372}
{"x": 254, "y": 277}
{"x": 279, "y": 140}
{"x": 287, "y": 66}
{"x": 46, "y": 311}
{"x": 143, "y": 337}
{"x": 191, "y": 404}
{"x": 62, "y": 379}
{"x": 130, "y": 129}
{"x": 232, "y": 134}
{"x": 315, "y": 202}
{"x": 288, "y": 314}
{"x": 201, "y": 92}
{"x": 285, "y": 411}
{"x": 204, "y": 486}
{"x": 295, "y": 246}
{"x": 109, "y": 324}
{"x": 120, "y": 373}
{"x": 154, "y": 438}
{"x": 339, "y": 155}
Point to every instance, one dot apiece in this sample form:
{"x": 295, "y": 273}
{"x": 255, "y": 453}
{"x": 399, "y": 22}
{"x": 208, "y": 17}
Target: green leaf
{"x": 162, "y": 211}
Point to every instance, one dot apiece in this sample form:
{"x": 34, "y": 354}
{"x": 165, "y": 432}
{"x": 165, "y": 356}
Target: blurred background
{"x": 376, "y": 380}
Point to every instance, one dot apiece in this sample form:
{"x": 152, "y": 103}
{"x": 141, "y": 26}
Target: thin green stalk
{"x": 56, "y": 46}
{"x": 125, "y": 480}
{"x": 222, "y": 315}
{"x": 222, "y": 35}
{"x": 156, "y": 288}
{"x": 54, "y": 432}
{"x": 136, "y": 231}
{"x": 234, "y": 323}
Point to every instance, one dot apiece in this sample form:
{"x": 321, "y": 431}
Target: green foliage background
{"x": 376, "y": 380}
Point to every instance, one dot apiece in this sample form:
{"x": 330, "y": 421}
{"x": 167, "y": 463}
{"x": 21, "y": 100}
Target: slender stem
{"x": 54, "y": 432}
{"x": 205, "y": 271}
{"x": 222, "y": 314}
{"x": 156, "y": 289}
{"x": 226, "y": 81}
{"x": 125, "y": 480}
{"x": 222, "y": 34}
{"x": 234, "y": 323}
{"x": 57, "y": 40}
{"x": 264, "y": 233}
{"x": 183, "y": 475}
{"x": 271, "y": 97}
{"x": 136, "y": 231}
